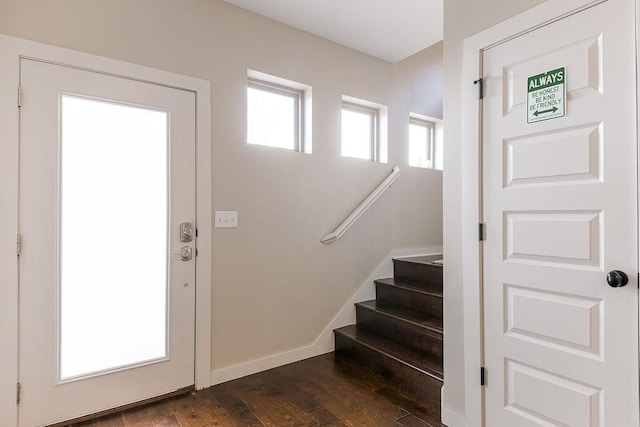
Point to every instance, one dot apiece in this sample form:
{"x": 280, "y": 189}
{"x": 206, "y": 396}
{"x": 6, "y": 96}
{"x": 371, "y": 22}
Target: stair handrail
{"x": 362, "y": 208}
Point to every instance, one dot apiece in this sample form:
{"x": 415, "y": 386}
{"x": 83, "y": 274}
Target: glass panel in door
{"x": 113, "y": 236}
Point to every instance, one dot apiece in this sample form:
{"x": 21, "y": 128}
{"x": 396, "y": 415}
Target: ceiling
{"x": 387, "y": 29}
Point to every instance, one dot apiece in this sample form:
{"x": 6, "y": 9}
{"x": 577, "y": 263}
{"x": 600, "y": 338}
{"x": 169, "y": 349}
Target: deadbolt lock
{"x": 186, "y": 232}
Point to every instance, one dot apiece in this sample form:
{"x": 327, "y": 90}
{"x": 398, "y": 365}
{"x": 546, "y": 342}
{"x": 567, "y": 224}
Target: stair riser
{"x": 404, "y": 333}
{"x": 423, "y": 385}
{"x": 409, "y": 299}
{"x": 428, "y": 276}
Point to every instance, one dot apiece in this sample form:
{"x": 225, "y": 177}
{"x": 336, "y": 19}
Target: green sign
{"x": 546, "y": 95}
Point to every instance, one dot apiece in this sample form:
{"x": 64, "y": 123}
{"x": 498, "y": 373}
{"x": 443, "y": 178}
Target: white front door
{"x": 107, "y": 273}
{"x": 560, "y": 208}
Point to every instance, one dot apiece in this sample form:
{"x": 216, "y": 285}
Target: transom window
{"x": 275, "y": 115}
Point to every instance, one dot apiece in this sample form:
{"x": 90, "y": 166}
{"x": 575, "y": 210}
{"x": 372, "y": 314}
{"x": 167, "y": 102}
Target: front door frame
{"x": 11, "y": 51}
{"x": 474, "y": 46}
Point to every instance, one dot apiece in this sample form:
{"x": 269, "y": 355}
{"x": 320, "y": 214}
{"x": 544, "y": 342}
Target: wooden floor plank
{"x": 275, "y": 382}
{"x": 201, "y": 409}
{"x": 270, "y": 399}
{"x": 159, "y": 414}
{"x": 114, "y": 420}
{"x": 235, "y": 407}
{"x": 274, "y": 410}
{"x": 423, "y": 409}
{"x": 163, "y": 415}
{"x": 315, "y": 392}
{"x": 323, "y": 417}
{"x": 412, "y": 421}
{"x": 357, "y": 407}
{"x": 317, "y": 375}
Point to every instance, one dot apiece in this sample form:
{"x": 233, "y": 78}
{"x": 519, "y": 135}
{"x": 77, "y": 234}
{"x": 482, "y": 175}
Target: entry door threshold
{"x": 139, "y": 404}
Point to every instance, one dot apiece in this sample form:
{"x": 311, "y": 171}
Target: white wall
{"x": 275, "y": 286}
{"x": 462, "y": 18}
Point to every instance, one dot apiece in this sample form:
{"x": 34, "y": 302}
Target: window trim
{"x": 431, "y": 134}
{"x": 374, "y": 113}
{"x": 298, "y": 96}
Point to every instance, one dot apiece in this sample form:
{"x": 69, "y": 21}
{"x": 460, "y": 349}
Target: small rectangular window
{"x": 364, "y": 129}
{"x": 421, "y": 142}
{"x": 359, "y": 131}
{"x": 275, "y": 115}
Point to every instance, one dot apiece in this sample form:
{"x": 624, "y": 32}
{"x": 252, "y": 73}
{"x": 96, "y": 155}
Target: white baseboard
{"x": 324, "y": 342}
{"x": 450, "y": 417}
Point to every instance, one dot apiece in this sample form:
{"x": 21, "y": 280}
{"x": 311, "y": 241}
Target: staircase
{"x": 399, "y": 334}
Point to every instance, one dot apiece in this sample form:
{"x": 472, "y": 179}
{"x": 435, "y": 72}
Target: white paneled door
{"x": 560, "y": 207}
{"x": 107, "y": 268}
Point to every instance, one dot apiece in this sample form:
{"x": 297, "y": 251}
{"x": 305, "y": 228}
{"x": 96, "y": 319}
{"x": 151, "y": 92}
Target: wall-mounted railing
{"x": 362, "y": 208}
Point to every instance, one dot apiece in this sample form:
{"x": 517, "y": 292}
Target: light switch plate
{"x": 226, "y": 219}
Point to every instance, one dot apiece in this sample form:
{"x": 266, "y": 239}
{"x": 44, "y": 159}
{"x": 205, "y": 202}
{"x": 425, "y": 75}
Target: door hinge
{"x": 19, "y": 245}
{"x": 481, "y": 232}
{"x": 19, "y": 96}
{"x": 482, "y": 376}
{"x": 480, "y": 84}
{"x": 18, "y": 390}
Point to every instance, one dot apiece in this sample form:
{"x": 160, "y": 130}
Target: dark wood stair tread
{"x": 418, "y": 318}
{"x": 400, "y": 333}
{"x": 425, "y": 363}
{"x": 409, "y": 285}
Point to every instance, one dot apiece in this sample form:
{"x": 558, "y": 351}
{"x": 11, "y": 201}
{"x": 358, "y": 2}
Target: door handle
{"x": 186, "y": 253}
{"x": 617, "y": 278}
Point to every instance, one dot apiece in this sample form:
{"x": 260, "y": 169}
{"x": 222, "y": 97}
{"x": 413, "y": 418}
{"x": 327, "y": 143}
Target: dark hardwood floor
{"x": 320, "y": 391}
